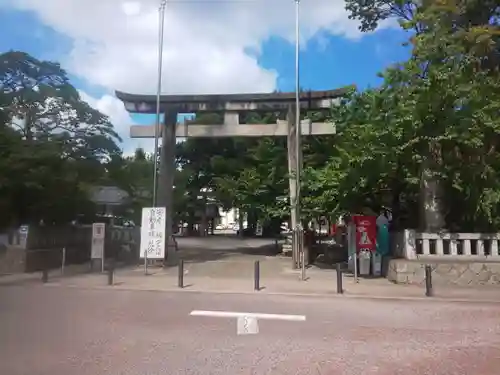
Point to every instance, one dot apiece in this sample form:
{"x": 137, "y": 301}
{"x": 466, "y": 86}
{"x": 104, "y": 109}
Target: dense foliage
{"x": 53, "y": 145}
{"x": 436, "y": 115}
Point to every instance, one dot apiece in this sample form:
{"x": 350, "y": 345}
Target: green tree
{"x": 133, "y": 174}
{"x": 455, "y": 90}
{"x": 53, "y": 144}
{"x": 432, "y": 114}
{"x": 371, "y": 13}
{"x": 47, "y": 107}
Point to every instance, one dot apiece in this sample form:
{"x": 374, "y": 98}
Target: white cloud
{"x": 121, "y": 119}
{"x": 115, "y": 42}
{"x": 131, "y": 8}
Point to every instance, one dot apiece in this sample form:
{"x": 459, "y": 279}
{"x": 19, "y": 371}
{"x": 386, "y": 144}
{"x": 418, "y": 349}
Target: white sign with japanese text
{"x": 153, "y": 232}
{"x": 97, "y": 251}
{"x": 98, "y": 230}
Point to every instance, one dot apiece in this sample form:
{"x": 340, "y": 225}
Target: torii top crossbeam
{"x": 277, "y": 101}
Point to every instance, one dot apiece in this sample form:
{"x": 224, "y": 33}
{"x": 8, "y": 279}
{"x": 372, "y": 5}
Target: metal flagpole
{"x": 298, "y": 145}
{"x": 161, "y": 12}
{"x": 161, "y": 23}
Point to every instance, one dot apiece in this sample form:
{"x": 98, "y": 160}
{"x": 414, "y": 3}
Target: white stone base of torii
{"x": 231, "y": 106}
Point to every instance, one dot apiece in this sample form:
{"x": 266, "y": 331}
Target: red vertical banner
{"x": 366, "y": 232}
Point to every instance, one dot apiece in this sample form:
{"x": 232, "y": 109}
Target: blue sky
{"x": 327, "y": 61}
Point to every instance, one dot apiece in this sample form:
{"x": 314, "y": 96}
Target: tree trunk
{"x": 251, "y": 222}
{"x": 240, "y": 221}
{"x": 272, "y": 228}
{"x": 431, "y": 203}
{"x": 204, "y": 221}
{"x": 396, "y": 189}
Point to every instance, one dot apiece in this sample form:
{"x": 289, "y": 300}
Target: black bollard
{"x": 429, "y": 292}
{"x": 340, "y": 289}
{"x": 256, "y": 275}
{"x": 111, "y": 271}
{"x": 180, "y": 281}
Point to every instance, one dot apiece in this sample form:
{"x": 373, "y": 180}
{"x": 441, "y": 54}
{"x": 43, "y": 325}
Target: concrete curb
{"x": 333, "y": 294}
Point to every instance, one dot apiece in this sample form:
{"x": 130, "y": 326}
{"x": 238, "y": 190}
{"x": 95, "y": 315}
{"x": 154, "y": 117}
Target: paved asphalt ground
{"x": 71, "y": 331}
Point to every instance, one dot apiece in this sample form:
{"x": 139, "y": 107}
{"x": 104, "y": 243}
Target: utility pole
{"x": 298, "y": 148}
{"x": 161, "y": 13}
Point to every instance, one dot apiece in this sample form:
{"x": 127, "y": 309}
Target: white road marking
{"x": 247, "y": 325}
{"x": 233, "y": 314}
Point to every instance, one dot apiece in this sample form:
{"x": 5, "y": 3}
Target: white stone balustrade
{"x": 447, "y": 246}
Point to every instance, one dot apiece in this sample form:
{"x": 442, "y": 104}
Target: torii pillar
{"x": 166, "y": 179}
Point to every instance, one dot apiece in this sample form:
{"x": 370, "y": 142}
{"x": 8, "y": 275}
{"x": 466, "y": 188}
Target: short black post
{"x": 111, "y": 271}
{"x": 340, "y": 289}
{"x": 180, "y": 281}
{"x": 45, "y": 274}
{"x": 429, "y": 292}
{"x": 256, "y": 275}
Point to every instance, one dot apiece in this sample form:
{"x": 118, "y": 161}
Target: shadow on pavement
{"x": 56, "y": 275}
{"x": 20, "y": 279}
{"x": 212, "y": 248}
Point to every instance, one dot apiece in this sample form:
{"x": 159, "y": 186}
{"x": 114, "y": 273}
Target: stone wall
{"x": 461, "y": 273}
{"x": 57, "y": 237}
{"x": 43, "y": 247}
{"x": 12, "y": 259}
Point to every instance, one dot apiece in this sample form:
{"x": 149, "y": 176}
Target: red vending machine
{"x": 366, "y": 240}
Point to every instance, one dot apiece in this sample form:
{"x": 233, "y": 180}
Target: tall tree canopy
{"x": 54, "y": 145}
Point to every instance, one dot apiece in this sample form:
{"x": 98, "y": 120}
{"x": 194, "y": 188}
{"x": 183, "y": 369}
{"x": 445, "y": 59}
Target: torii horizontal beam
{"x": 280, "y": 129}
{"x": 268, "y": 102}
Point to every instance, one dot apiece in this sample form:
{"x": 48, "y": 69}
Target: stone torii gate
{"x": 230, "y": 106}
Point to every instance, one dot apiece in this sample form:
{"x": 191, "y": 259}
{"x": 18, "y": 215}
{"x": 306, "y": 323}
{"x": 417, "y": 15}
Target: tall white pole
{"x": 161, "y": 28}
{"x": 297, "y": 76}
{"x": 298, "y": 136}
{"x": 161, "y": 12}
